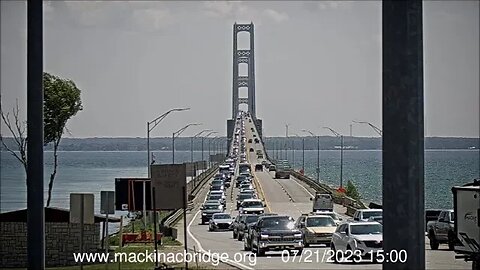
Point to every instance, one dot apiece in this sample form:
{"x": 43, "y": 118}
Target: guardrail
{"x": 193, "y": 187}
{"x": 351, "y": 204}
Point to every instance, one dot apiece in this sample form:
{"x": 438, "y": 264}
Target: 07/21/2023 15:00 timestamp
{"x": 348, "y": 256}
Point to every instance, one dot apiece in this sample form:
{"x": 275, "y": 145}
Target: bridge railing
{"x": 339, "y": 198}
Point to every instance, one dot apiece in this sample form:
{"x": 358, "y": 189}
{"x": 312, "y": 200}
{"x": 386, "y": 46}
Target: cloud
{"x": 334, "y": 4}
{"x": 151, "y": 19}
{"x": 276, "y": 16}
{"x": 222, "y": 9}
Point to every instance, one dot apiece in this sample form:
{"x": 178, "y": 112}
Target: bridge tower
{"x": 243, "y": 56}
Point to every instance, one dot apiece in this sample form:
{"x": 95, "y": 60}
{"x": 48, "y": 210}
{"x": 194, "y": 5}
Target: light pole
{"x": 191, "y": 142}
{"x": 293, "y": 150}
{"x": 209, "y": 153}
{"x": 150, "y": 126}
{"x": 176, "y": 134}
{"x": 341, "y": 153}
{"x": 206, "y": 136}
{"x": 318, "y": 152}
{"x": 376, "y": 129}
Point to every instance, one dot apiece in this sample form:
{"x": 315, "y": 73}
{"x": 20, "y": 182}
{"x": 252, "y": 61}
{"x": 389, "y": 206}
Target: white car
{"x": 220, "y": 221}
{"x": 364, "y": 239}
{"x": 336, "y": 217}
{"x": 365, "y": 214}
{"x": 218, "y": 192}
{"x": 252, "y": 206}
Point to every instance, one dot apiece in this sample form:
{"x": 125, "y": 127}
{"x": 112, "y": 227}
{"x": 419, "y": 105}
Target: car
{"x": 218, "y": 192}
{"x": 378, "y": 219}
{"x": 244, "y": 222}
{"x": 248, "y": 190}
{"x": 208, "y": 209}
{"x": 240, "y": 179}
{"x": 218, "y": 197}
{"x": 252, "y": 206}
{"x": 250, "y": 150}
{"x": 220, "y": 221}
{"x": 243, "y": 196}
{"x": 275, "y": 233}
{"x": 272, "y": 168}
{"x": 258, "y": 167}
{"x": 365, "y": 214}
{"x": 250, "y": 141}
{"x": 362, "y": 238}
{"x": 236, "y": 224}
{"x": 442, "y": 230}
{"x": 336, "y": 217}
{"x": 246, "y": 186}
{"x": 217, "y": 187}
{"x": 257, "y": 140}
{"x": 316, "y": 229}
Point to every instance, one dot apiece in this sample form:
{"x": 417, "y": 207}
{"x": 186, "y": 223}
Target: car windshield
{"x": 278, "y": 223}
{"x": 366, "y": 229}
{"x": 212, "y": 206}
{"x": 244, "y": 196}
{"x": 215, "y": 197}
{"x": 251, "y": 219}
{"x": 332, "y": 215}
{"x": 217, "y": 182}
{"x": 320, "y": 222}
{"x": 223, "y": 216}
{"x": 252, "y": 204}
{"x": 372, "y": 214}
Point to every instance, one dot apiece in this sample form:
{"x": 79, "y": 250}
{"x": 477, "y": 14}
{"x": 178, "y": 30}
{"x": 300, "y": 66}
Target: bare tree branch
{"x": 18, "y": 135}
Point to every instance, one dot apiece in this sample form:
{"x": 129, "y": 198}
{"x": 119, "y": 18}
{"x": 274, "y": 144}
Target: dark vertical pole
{"x": 155, "y": 226}
{"x": 403, "y": 132}
{"x": 82, "y": 222}
{"x": 185, "y": 223}
{"x": 35, "y": 203}
{"x": 341, "y": 161}
{"x": 173, "y": 148}
{"x": 293, "y": 153}
{"x": 318, "y": 158}
{"x": 303, "y": 155}
{"x": 191, "y": 149}
{"x": 202, "y": 148}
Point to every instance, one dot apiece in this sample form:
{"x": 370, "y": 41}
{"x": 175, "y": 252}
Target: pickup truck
{"x": 322, "y": 202}
{"x": 441, "y": 231}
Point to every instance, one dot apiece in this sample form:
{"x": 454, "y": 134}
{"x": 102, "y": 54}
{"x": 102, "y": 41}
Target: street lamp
{"x": 191, "y": 142}
{"x": 341, "y": 153}
{"x": 293, "y": 150}
{"x": 206, "y": 136}
{"x": 176, "y": 134}
{"x": 318, "y": 152}
{"x": 376, "y": 129}
{"x": 209, "y": 144}
{"x": 155, "y": 123}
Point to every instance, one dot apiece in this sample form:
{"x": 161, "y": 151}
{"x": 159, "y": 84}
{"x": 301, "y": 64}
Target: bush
{"x": 351, "y": 191}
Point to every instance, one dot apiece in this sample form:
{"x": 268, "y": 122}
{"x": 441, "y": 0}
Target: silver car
{"x": 220, "y": 221}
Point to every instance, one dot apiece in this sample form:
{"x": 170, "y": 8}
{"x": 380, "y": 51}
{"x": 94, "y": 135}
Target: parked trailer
{"x": 466, "y": 205}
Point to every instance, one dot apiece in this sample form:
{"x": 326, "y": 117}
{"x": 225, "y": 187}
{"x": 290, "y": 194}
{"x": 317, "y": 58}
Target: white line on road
{"x": 201, "y": 249}
{"x": 296, "y": 182}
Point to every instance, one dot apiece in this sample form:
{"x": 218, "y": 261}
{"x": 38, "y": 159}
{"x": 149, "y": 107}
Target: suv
{"x": 208, "y": 209}
{"x": 316, "y": 229}
{"x": 365, "y": 237}
{"x": 242, "y": 226}
{"x": 365, "y": 214}
{"x": 252, "y": 206}
{"x": 275, "y": 233}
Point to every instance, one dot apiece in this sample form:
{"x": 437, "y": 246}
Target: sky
{"x": 317, "y": 64}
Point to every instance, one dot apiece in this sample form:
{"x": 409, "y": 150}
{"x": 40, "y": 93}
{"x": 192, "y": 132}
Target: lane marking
{"x": 201, "y": 249}
{"x": 296, "y": 182}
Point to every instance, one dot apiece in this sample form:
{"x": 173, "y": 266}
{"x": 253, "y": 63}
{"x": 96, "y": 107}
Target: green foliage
{"x": 61, "y": 102}
{"x": 351, "y": 191}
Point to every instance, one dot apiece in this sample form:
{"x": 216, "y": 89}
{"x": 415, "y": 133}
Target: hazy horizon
{"x": 135, "y": 60}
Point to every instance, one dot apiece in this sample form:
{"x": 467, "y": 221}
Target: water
{"x": 83, "y": 171}
{"x": 443, "y": 169}
{"x": 95, "y": 171}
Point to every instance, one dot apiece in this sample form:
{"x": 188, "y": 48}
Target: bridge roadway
{"x": 282, "y": 196}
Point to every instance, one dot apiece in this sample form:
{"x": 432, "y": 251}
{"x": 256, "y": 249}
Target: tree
{"x": 351, "y": 191}
{"x": 18, "y": 131}
{"x": 61, "y": 102}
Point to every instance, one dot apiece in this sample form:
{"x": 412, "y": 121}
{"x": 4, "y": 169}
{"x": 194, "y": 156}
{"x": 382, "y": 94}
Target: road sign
{"x": 76, "y": 206}
{"x": 169, "y": 181}
{"x": 107, "y": 202}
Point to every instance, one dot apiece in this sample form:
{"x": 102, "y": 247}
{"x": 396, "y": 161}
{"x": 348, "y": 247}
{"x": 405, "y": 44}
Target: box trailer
{"x": 466, "y": 205}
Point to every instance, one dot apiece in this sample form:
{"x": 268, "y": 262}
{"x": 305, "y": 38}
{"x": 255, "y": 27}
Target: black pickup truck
{"x": 275, "y": 233}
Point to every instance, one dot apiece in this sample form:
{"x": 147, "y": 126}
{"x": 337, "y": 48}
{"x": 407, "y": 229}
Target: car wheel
{"x": 260, "y": 252}
{"x": 305, "y": 243}
{"x": 433, "y": 241}
{"x": 240, "y": 237}
{"x": 332, "y": 247}
{"x": 245, "y": 246}
{"x": 451, "y": 241}
{"x": 234, "y": 234}
{"x": 209, "y": 228}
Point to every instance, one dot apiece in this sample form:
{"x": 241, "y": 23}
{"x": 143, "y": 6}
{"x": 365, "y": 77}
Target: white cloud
{"x": 276, "y": 16}
{"x": 222, "y": 8}
{"x": 335, "y": 4}
{"x": 151, "y": 19}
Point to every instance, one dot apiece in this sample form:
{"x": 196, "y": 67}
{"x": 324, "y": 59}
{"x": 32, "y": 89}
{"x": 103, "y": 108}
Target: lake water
{"x": 443, "y": 169}
{"x": 95, "y": 171}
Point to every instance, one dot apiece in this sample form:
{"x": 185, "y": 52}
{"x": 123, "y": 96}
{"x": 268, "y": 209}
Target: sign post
{"x": 107, "y": 206}
{"x": 81, "y": 211}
